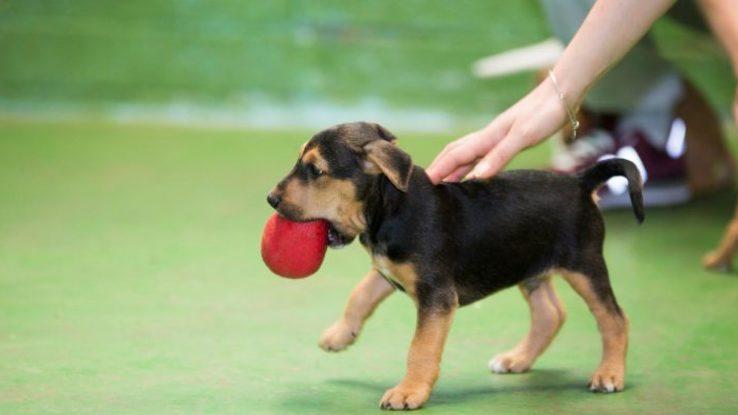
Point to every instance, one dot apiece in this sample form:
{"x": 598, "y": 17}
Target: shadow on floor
{"x": 361, "y": 394}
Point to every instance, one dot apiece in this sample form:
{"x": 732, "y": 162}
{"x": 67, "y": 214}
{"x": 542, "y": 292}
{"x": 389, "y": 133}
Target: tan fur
{"x": 403, "y": 273}
{"x": 610, "y": 375}
{"x": 710, "y": 166}
{"x": 371, "y": 291}
{"x": 326, "y": 197}
{"x": 547, "y": 316}
{"x": 595, "y": 197}
{"x": 423, "y": 362}
{"x": 313, "y": 156}
{"x": 721, "y": 258}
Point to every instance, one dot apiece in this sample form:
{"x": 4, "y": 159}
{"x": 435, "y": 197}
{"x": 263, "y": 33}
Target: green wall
{"x": 232, "y": 54}
{"x": 228, "y": 52}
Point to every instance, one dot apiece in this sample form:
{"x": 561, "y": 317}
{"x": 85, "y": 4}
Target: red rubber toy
{"x": 294, "y": 249}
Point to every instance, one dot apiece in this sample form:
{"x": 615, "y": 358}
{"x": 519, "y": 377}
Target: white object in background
{"x": 619, "y": 185}
{"x": 528, "y": 58}
{"x": 676, "y": 143}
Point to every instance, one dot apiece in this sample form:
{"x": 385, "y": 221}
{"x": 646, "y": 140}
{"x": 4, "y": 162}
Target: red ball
{"x": 294, "y": 249}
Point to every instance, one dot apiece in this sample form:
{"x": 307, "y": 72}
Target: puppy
{"x": 451, "y": 244}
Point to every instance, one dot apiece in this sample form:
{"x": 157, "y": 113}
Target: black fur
{"x": 478, "y": 237}
{"x": 464, "y": 241}
{"x": 473, "y": 238}
{"x": 593, "y": 177}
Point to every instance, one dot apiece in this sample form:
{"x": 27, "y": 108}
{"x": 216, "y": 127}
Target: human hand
{"x": 485, "y": 152}
{"x": 599, "y": 43}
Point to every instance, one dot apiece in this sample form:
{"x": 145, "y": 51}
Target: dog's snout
{"x": 273, "y": 200}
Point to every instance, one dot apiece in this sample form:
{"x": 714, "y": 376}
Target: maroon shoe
{"x": 664, "y": 171}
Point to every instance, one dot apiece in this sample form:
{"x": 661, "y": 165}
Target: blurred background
{"x": 138, "y": 140}
{"x": 285, "y": 62}
{"x": 280, "y": 63}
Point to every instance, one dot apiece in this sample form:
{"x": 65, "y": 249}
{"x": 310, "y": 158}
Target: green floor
{"x": 130, "y": 282}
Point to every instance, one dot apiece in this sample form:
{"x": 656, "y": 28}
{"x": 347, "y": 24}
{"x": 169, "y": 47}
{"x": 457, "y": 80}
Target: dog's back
{"x": 515, "y": 226}
{"x": 522, "y": 223}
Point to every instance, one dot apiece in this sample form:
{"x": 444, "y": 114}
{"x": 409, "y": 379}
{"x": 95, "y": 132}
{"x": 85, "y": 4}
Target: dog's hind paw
{"x": 338, "y": 336}
{"x": 607, "y": 380}
{"x": 716, "y": 262}
{"x": 510, "y": 362}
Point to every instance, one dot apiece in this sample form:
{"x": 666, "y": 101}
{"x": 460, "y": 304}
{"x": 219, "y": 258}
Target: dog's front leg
{"x": 372, "y": 289}
{"x": 424, "y": 359}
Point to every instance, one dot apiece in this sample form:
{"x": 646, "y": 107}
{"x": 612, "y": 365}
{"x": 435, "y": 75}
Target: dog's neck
{"x": 384, "y": 201}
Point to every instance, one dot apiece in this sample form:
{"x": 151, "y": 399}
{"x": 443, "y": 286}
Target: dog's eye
{"x": 314, "y": 170}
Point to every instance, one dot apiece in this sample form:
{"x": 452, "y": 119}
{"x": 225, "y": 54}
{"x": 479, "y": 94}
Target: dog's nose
{"x": 273, "y": 200}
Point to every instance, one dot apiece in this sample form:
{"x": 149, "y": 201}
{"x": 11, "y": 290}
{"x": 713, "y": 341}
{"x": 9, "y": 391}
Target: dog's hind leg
{"x": 721, "y": 257}
{"x": 547, "y": 317}
{"x": 367, "y": 295}
{"x": 592, "y": 283}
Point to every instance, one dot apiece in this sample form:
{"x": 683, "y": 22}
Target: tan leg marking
{"x": 721, "y": 258}
{"x": 547, "y": 316}
{"x": 402, "y": 272}
{"x": 610, "y": 375}
{"x": 364, "y": 299}
{"x": 423, "y": 361}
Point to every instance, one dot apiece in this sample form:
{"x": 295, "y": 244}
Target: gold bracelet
{"x": 569, "y": 112}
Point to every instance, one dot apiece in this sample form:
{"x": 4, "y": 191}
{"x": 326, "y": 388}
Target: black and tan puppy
{"x": 449, "y": 245}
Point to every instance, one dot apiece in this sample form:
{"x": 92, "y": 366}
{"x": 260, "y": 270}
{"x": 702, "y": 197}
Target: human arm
{"x": 610, "y": 29}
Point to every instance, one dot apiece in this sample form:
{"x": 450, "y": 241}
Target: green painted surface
{"x": 230, "y": 52}
{"x": 130, "y": 283}
{"x": 233, "y": 54}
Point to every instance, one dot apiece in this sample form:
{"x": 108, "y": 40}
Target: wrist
{"x": 571, "y": 85}
{"x": 571, "y": 111}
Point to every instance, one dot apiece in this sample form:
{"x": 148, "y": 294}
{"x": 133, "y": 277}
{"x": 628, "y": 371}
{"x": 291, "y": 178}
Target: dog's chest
{"x": 402, "y": 275}
{"x": 382, "y": 264}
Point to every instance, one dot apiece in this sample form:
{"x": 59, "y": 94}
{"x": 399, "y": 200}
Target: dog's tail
{"x": 595, "y": 176}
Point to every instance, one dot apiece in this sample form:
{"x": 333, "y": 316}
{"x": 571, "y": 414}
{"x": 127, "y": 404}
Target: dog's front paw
{"x": 716, "y": 261}
{"x": 405, "y": 396}
{"x": 338, "y": 336}
{"x": 510, "y": 362}
{"x": 607, "y": 379}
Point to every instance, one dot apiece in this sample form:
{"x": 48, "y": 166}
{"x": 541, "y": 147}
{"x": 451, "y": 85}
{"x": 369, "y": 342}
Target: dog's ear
{"x": 386, "y": 158}
{"x": 384, "y": 133}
